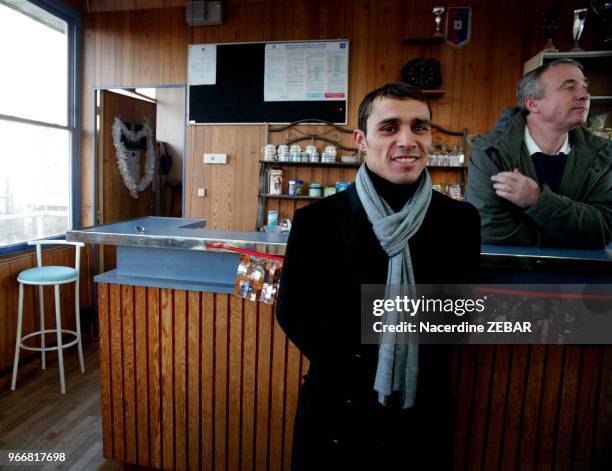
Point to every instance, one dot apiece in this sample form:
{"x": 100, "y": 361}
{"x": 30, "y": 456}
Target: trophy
{"x": 438, "y": 11}
{"x": 603, "y": 9}
{"x": 578, "y": 26}
{"x": 549, "y": 27}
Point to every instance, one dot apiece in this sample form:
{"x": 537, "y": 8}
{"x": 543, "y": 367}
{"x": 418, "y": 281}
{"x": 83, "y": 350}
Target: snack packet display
{"x": 257, "y": 278}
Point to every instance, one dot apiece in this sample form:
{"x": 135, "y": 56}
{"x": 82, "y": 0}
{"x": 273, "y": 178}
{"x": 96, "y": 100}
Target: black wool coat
{"x": 331, "y": 251}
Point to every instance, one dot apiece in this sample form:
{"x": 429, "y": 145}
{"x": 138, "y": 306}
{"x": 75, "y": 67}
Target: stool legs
{"x": 77, "y": 310}
{"x": 60, "y": 351}
{"x": 41, "y": 298}
{"x": 18, "y": 340}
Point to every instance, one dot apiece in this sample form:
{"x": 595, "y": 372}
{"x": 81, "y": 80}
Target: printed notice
{"x": 203, "y": 64}
{"x": 313, "y": 71}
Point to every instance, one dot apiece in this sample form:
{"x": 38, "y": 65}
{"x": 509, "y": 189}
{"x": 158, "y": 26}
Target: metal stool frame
{"x": 19, "y": 344}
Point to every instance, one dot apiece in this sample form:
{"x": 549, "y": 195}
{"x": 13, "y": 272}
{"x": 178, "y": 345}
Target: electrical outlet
{"x": 215, "y": 158}
{"x": 201, "y": 192}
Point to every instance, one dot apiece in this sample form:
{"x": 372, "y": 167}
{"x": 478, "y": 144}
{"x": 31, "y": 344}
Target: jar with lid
{"x": 314, "y": 190}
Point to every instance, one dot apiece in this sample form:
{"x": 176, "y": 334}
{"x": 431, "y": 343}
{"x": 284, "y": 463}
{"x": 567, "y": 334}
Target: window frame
{"x": 72, "y": 18}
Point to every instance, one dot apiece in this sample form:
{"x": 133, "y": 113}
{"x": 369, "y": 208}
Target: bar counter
{"x": 193, "y": 377}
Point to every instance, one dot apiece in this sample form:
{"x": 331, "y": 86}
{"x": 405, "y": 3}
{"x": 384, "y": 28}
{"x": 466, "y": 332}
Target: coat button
{"x": 335, "y": 441}
{"x": 356, "y": 356}
{"x": 348, "y": 402}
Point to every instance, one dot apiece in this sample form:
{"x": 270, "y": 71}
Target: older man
{"x": 538, "y": 178}
{"x": 375, "y": 406}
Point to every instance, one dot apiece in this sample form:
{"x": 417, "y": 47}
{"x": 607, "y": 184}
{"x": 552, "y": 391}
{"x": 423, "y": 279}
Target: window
{"x": 39, "y": 132}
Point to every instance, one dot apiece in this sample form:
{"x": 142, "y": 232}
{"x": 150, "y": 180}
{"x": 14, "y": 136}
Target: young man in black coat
{"x": 343, "y": 419}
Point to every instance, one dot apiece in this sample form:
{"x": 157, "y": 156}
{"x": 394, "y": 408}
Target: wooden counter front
{"x": 195, "y": 380}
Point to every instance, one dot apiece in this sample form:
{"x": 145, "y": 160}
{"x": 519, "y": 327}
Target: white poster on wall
{"x": 203, "y": 64}
{"x": 306, "y": 71}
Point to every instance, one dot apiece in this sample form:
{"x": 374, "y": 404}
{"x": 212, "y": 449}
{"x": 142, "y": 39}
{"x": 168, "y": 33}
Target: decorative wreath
{"x": 130, "y": 178}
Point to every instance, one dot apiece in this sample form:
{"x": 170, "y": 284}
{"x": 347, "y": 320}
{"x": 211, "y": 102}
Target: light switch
{"x": 215, "y": 158}
{"x": 201, "y": 192}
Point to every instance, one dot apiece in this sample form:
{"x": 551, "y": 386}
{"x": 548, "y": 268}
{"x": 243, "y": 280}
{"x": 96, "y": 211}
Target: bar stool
{"x": 56, "y": 276}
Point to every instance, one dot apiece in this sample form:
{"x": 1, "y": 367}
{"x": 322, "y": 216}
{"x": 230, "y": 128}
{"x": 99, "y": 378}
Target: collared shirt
{"x": 533, "y": 147}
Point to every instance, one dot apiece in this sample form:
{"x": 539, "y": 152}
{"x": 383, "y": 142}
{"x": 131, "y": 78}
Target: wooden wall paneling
{"x": 250, "y": 21}
{"x": 277, "y": 393}
{"x": 265, "y": 323}
{"x": 513, "y": 419}
{"x": 175, "y": 39}
{"x": 480, "y": 411}
{"x": 208, "y": 380}
{"x": 127, "y": 60}
{"x": 249, "y": 380}
{"x": 105, "y": 370}
{"x": 248, "y": 152}
{"x": 602, "y": 451}
{"x": 193, "y": 177}
{"x": 497, "y": 407}
{"x": 9, "y": 298}
{"x": 568, "y": 400}
{"x": 142, "y": 373}
{"x": 586, "y": 409}
{"x": 167, "y": 377}
{"x": 388, "y": 62}
{"x": 532, "y": 407}
{"x": 548, "y": 419}
{"x": 293, "y": 380}
{"x": 116, "y": 372}
{"x": 194, "y": 380}
{"x": 221, "y": 374}
{"x": 154, "y": 359}
{"x": 465, "y": 393}
{"x": 180, "y": 314}
{"x": 223, "y": 191}
{"x": 149, "y": 45}
{"x": 235, "y": 358}
{"x": 129, "y": 372}
{"x": 93, "y": 6}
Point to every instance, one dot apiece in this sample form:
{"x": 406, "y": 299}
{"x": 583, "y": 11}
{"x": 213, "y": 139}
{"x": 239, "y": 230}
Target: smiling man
{"x": 375, "y": 406}
{"x": 538, "y": 178}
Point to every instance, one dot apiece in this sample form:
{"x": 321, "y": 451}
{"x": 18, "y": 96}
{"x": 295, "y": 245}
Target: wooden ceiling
{"x": 93, "y": 6}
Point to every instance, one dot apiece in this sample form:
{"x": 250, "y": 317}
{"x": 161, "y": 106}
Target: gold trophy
{"x": 578, "y": 26}
{"x": 438, "y": 11}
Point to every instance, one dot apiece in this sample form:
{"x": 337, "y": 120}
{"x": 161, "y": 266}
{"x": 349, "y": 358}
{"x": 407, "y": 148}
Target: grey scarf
{"x": 398, "y": 364}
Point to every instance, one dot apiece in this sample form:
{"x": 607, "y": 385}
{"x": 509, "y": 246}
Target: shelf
{"x": 312, "y": 164}
{"x": 600, "y": 99}
{"x": 430, "y": 40}
{"x": 287, "y": 197}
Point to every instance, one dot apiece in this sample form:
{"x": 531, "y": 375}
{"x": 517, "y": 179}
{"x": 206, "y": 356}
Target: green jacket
{"x": 579, "y": 215}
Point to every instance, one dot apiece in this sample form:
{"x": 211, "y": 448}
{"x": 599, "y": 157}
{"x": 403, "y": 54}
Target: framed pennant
{"x": 458, "y": 26}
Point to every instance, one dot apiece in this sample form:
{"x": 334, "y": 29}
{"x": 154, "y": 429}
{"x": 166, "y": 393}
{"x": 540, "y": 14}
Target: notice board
{"x": 268, "y": 82}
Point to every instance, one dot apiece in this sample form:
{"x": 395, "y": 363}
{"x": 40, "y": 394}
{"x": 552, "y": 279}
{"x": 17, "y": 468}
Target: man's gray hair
{"x": 530, "y": 84}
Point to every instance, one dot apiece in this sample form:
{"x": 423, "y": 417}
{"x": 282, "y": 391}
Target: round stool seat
{"x": 48, "y": 274}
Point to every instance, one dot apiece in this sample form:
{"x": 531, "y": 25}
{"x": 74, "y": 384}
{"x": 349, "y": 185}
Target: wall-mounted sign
{"x": 306, "y": 71}
{"x": 202, "y": 64}
{"x": 458, "y": 25}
